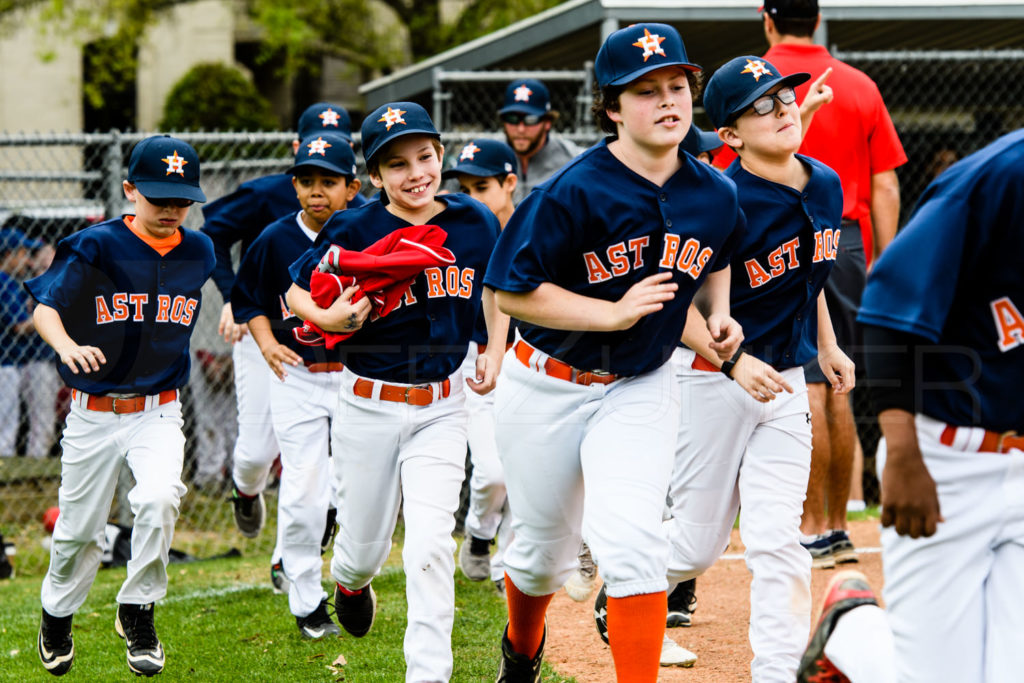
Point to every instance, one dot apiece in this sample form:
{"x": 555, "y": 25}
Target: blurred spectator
{"x": 39, "y": 380}
{"x": 15, "y": 329}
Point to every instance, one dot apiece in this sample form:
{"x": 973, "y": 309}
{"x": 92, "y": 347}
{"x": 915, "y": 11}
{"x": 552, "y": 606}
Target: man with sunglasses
{"x": 853, "y": 135}
{"x": 526, "y": 118}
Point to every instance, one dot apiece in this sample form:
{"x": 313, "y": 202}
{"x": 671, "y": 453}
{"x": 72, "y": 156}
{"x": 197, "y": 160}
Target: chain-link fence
{"x": 945, "y": 105}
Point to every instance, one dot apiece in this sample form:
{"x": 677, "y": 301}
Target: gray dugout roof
{"x": 566, "y": 36}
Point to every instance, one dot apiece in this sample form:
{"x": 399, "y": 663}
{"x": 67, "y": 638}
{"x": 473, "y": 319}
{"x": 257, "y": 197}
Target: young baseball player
{"x": 400, "y": 435}
{"x": 945, "y": 333}
{"x": 586, "y": 410}
{"x": 486, "y": 171}
{"x": 239, "y": 218}
{"x": 118, "y": 306}
{"x": 747, "y": 442}
{"x": 304, "y": 401}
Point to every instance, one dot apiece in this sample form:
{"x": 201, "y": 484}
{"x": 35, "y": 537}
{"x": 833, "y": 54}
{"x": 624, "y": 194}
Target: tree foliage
{"x": 216, "y": 97}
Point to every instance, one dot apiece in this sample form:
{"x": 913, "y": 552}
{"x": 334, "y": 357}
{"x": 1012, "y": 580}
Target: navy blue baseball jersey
{"x": 241, "y": 215}
{"x": 599, "y": 244}
{"x": 115, "y": 292}
{"x": 263, "y": 280}
{"x": 954, "y": 275}
{"x": 781, "y": 264}
{"x": 425, "y": 338}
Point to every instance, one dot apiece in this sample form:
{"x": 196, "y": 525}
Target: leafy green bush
{"x": 216, "y": 97}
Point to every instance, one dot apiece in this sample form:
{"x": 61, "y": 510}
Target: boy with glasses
{"x": 526, "y": 118}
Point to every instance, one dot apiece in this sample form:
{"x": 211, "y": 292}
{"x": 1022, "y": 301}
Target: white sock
{"x": 861, "y": 646}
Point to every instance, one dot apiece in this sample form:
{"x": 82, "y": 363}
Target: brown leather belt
{"x": 992, "y": 442}
{"x": 123, "y": 406}
{"x": 324, "y": 367}
{"x": 414, "y": 395}
{"x": 556, "y": 368}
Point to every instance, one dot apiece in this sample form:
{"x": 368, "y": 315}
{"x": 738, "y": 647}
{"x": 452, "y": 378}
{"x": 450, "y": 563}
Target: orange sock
{"x": 526, "y": 619}
{"x": 636, "y": 628}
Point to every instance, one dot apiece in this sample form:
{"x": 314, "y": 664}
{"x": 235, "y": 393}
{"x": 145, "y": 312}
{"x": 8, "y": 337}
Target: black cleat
{"x": 317, "y": 623}
{"x": 518, "y": 668}
{"x": 682, "y": 602}
{"x": 250, "y": 511}
{"x": 355, "y": 612}
{"x": 55, "y": 644}
{"x": 134, "y": 623}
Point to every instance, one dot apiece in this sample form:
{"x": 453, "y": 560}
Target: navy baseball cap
{"x": 393, "y": 120}
{"x": 12, "y": 238}
{"x": 162, "y": 167}
{"x": 739, "y": 82}
{"x": 484, "y": 158}
{"x": 791, "y": 9}
{"x": 698, "y": 141}
{"x": 527, "y": 96}
{"x": 324, "y": 117}
{"x": 631, "y": 52}
{"x": 326, "y": 151}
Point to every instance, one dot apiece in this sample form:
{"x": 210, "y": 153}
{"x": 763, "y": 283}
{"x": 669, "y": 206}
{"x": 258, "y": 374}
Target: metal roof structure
{"x": 567, "y": 36}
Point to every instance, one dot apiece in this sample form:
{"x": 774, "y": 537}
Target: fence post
{"x": 111, "y": 183}
{"x": 439, "y": 97}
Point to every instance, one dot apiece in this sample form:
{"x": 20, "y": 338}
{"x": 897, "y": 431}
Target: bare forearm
{"x": 885, "y": 209}
{"x": 496, "y": 321}
{"x": 697, "y": 337}
{"x": 259, "y": 327}
{"x": 713, "y": 295}
{"x": 557, "y": 308}
{"x": 51, "y": 328}
{"x": 826, "y": 333}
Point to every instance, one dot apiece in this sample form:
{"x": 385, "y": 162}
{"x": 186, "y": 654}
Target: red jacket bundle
{"x": 383, "y": 272}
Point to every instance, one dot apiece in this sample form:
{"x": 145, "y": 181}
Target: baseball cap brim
{"x": 792, "y": 80}
{"x": 156, "y": 189}
{"x": 637, "y": 73}
{"x": 369, "y": 154}
{"x": 523, "y": 109}
{"x": 470, "y": 169}
{"x": 319, "y": 163}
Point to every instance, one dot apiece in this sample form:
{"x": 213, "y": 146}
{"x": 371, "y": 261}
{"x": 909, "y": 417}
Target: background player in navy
{"x": 305, "y": 399}
{"x": 118, "y": 306}
{"x": 486, "y": 171}
{"x": 754, "y": 451}
{"x": 239, "y": 218}
{"x": 400, "y": 435}
{"x": 944, "y": 326}
{"x": 586, "y": 412}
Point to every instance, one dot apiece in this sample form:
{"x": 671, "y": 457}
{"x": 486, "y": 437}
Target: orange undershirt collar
{"x": 162, "y": 245}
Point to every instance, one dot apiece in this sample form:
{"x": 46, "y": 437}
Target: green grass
{"x": 221, "y": 622}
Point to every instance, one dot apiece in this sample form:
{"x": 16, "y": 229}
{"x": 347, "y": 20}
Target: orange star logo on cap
{"x": 329, "y": 117}
{"x": 756, "y": 68}
{"x": 522, "y": 94}
{"x": 468, "y": 151}
{"x": 319, "y": 146}
{"x": 175, "y": 164}
{"x": 651, "y": 44}
{"x": 391, "y": 117}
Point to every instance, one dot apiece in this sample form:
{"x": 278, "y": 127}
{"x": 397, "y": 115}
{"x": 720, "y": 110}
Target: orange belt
{"x": 556, "y": 368}
{"x": 123, "y": 406}
{"x": 702, "y": 363}
{"x": 992, "y": 442}
{"x": 324, "y": 367}
{"x": 416, "y": 395}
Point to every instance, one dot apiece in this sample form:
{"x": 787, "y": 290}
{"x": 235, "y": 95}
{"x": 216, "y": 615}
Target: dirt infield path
{"x": 719, "y": 633}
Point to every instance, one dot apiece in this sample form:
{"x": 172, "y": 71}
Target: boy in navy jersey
{"x": 118, "y": 306}
{"x": 400, "y": 435}
{"x": 305, "y": 399}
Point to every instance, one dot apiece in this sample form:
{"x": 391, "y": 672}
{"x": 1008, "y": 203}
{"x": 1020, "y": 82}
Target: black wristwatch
{"x": 728, "y": 365}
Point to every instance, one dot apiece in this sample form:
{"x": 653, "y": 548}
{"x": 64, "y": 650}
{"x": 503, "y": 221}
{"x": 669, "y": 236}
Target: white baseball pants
{"x": 593, "y": 458}
{"x": 387, "y": 455}
{"x": 954, "y": 599}
{"x": 256, "y": 446}
{"x": 302, "y": 407}
{"x": 734, "y": 451}
{"x": 94, "y": 446}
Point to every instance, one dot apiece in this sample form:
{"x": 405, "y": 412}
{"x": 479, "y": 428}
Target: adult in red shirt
{"x": 855, "y": 136}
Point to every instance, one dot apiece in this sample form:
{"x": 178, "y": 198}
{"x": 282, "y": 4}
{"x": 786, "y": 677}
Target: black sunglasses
{"x": 515, "y": 118}
{"x": 765, "y": 104}
{"x": 170, "y": 201}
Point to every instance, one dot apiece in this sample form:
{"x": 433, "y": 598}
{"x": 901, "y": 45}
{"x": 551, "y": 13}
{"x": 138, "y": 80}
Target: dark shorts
{"x": 843, "y": 290}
